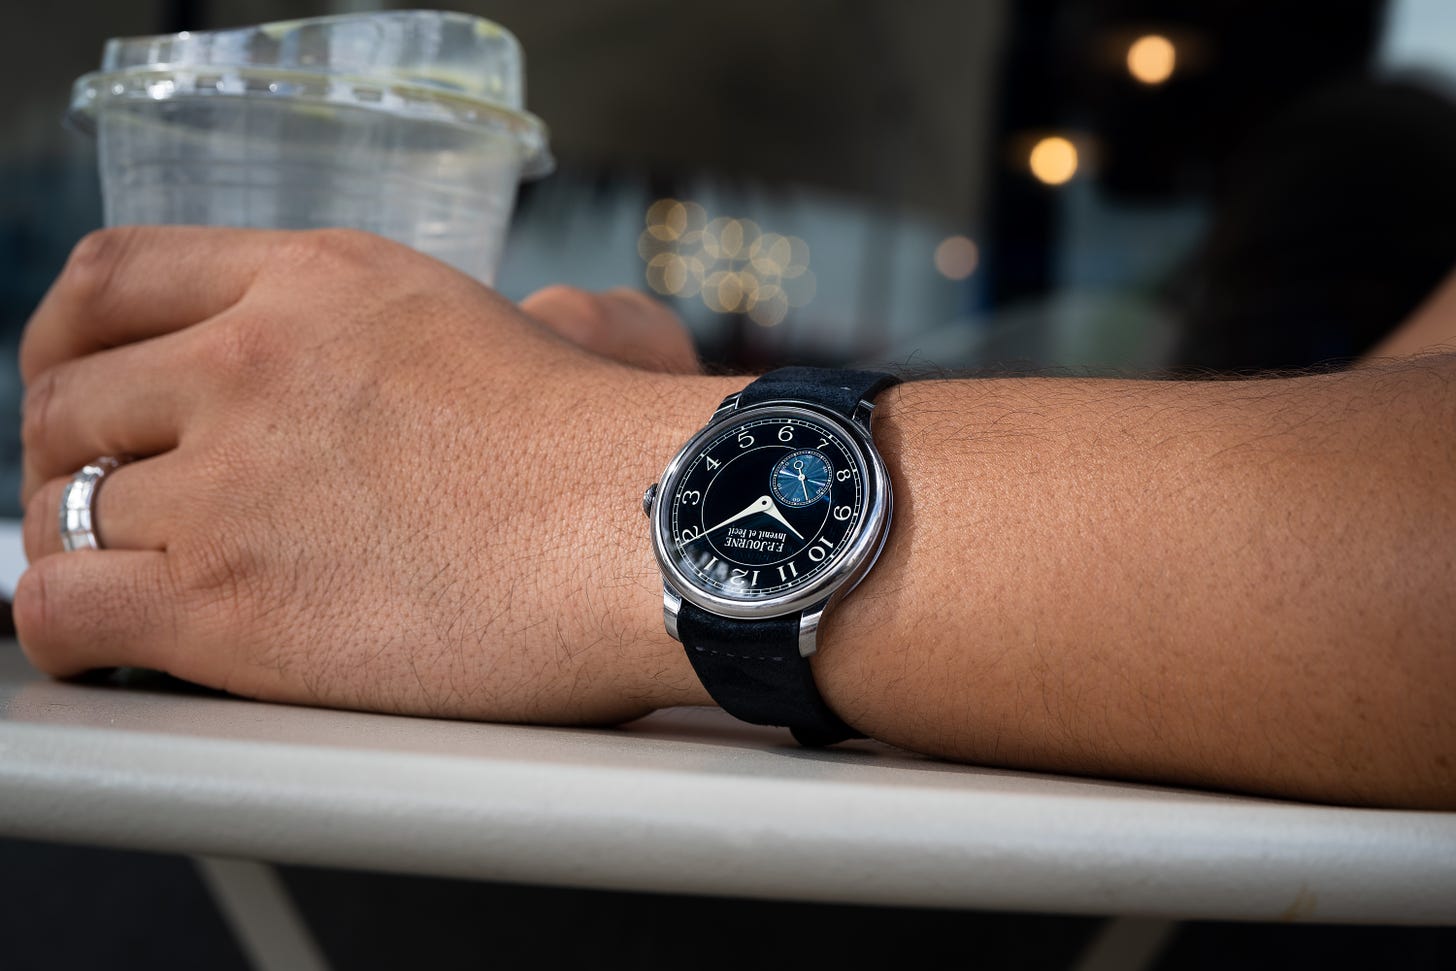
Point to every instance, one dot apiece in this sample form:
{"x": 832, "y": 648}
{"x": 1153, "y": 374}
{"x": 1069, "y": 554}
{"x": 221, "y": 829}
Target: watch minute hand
{"x": 773, "y": 511}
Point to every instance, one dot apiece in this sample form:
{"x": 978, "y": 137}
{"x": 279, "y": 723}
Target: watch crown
{"x": 647, "y": 498}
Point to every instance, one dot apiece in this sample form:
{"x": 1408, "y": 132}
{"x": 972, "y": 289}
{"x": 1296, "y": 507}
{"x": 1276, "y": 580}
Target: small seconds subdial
{"x": 801, "y": 478}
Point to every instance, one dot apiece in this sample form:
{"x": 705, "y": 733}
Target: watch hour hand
{"x": 761, "y": 504}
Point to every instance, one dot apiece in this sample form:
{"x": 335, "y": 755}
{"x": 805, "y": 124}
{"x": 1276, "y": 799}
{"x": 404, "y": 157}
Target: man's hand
{"x": 362, "y": 480}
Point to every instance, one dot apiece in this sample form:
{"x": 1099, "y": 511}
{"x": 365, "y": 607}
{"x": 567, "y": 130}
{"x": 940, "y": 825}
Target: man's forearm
{"x": 1246, "y": 585}
{"x": 1237, "y": 584}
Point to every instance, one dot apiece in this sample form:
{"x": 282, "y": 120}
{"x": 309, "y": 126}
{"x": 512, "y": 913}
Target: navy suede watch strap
{"x": 753, "y": 668}
{"x": 838, "y": 390}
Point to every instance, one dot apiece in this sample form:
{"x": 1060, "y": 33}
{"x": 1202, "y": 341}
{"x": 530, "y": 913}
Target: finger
{"x": 135, "y": 508}
{"x": 77, "y": 611}
{"x": 569, "y": 312}
{"x": 621, "y": 324}
{"x": 599, "y": 320}
{"x": 652, "y": 335}
{"x": 129, "y": 400}
{"x": 130, "y": 283}
{"x": 643, "y": 307}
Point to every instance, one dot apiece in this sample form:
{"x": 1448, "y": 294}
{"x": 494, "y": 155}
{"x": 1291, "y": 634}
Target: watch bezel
{"x": 841, "y": 577}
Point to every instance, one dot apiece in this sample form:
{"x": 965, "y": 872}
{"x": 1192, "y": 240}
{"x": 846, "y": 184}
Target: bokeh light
{"x": 957, "y": 257}
{"x": 1054, "y": 160}
{"x": 667, "y": 219}
{"x": 733, "y": 265}
{"x": 1151, "y": 59}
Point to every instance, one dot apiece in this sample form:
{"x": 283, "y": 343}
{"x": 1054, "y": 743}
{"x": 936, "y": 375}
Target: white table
{"x": 684, "y": 801}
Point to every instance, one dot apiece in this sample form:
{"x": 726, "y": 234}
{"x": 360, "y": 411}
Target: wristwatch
{"x": 768, "y": 516}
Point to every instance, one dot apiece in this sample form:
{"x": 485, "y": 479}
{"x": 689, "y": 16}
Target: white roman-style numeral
{"x": 713, "y": 463}
{"x": 793, "y": 568}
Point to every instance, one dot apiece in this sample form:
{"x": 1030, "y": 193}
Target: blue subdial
{"x": 801, "y": 478}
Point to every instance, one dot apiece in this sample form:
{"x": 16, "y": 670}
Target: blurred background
{"x": 1126, "y": 185}
{"x": 1119, "y": 186}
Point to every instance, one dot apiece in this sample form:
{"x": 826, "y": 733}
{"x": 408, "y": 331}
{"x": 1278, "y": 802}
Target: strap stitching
{"x": 737, "y": 657}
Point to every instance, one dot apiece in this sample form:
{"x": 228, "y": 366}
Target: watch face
{"x": 765, "y": 505}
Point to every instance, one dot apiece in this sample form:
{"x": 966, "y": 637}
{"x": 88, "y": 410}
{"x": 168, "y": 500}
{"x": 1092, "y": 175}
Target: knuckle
{"x": 335, "y": 248}
{"x": 576, "y": 310}
{"x": 343, "y": 239}
{"x": 633, "y": 296}
{"x": 91, "y": 269}
{"x": 35, "y": 415}
{"x": 214, "y": 569}
{"x": 243, "y": 347}
{"x": 558, "y": 293}
{"x": 218, "y": 577}
{"x": 41, "y": 524}
{"x": 205, "y": 587}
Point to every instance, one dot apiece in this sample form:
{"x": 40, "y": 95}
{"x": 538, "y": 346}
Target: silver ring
{"x": 78, "y": 504}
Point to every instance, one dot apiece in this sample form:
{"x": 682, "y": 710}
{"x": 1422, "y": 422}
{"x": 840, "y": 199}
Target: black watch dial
{"x": 766, "y": 506}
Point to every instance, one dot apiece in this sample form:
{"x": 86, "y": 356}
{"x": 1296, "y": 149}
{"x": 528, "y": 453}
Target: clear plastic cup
{"x": 407, "y": 124}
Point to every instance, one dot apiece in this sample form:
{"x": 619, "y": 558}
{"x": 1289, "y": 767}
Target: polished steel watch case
{"x": 824, "y": 591}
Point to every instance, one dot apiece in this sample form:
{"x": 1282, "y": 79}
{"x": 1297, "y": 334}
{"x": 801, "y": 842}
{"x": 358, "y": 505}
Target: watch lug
{"x": 863, "y": 412}
{"x": 671, "y": 604}
{"x": 809, "y": 627}
{"x": 730, "y": 403}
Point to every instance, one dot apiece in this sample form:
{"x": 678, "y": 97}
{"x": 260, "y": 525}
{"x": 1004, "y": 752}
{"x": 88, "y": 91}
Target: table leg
{"x": 256, "y": 906}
